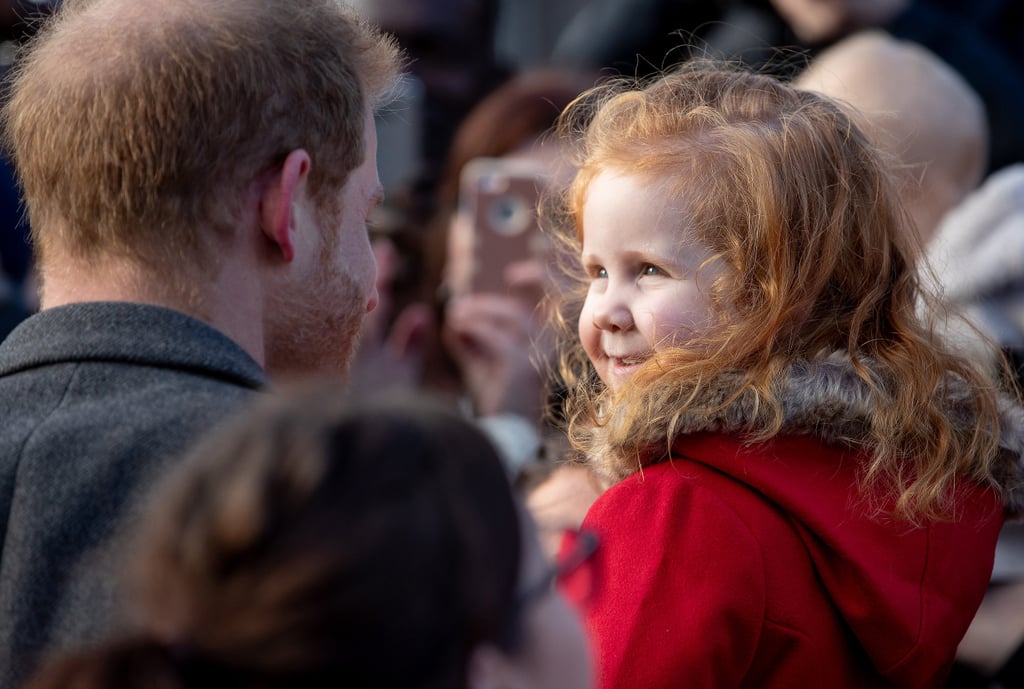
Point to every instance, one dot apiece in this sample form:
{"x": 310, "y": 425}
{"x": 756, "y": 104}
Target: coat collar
{"x": 127, "y": 332}
{"x": 823, "y": 398}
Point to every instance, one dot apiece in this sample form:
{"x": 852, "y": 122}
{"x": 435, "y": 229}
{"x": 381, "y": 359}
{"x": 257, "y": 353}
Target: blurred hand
{"x": 391, "y": 345}
{"x": 561, "y": 502}
{"x": 492, "y": 337}
{"x": 392, "y": 358}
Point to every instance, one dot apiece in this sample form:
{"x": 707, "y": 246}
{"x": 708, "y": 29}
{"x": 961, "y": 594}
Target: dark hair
{"x": 322, "y": 543}
{"x": 524, "y": 108}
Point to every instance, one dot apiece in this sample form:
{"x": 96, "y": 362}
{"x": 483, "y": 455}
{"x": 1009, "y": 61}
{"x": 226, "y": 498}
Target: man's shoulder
{"x": 122, "y": 336}
{"x": 82, "y": 445}
{"x": 115, "y": 381}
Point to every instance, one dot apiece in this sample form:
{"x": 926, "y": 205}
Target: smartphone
{"x": 501, "y": 197}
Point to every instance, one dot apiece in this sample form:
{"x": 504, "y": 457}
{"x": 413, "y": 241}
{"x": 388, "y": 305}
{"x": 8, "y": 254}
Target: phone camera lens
{"x": 509, "y": 214}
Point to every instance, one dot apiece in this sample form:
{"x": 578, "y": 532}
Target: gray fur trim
{"x": 825, "y": 398}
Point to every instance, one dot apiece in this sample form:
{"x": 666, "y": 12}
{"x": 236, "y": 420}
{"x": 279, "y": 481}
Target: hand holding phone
{"x": 501, "y": 196}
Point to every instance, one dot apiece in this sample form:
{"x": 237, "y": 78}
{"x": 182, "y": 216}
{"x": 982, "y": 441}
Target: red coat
{"x": 760, "y": 567}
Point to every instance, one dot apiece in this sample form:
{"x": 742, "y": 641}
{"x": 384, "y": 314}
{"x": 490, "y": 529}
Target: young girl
{"x": 805, "y": 484}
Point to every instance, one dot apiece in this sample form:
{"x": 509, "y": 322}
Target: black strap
{"x": 1011, "y": 674}
{"x": 963, "y": 676}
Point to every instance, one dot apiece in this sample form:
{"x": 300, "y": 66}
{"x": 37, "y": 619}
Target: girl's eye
{"x": 650, "y": 270}
{"x": 600, "y": 273}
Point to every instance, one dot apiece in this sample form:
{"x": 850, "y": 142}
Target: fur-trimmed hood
{"x": 786, "y": 516}
{"x": 824, "y": 398}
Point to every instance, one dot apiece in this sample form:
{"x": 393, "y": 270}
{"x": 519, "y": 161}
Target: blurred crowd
{"x": 441, "y": 495}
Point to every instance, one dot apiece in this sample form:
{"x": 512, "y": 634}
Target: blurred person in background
{"x": 968, "y": 36}
{"x": 916, "y": 108}
{"x": 434, "y": 330}
{"x": 979, "y": 40}
{"x": 453, "y": 64}
{"x": 325, "y": 542}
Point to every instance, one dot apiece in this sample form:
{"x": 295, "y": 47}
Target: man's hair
{"x": 135, "y": 124}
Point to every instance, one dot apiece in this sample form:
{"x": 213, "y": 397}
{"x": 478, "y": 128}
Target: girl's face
{"x": 643, "y": 292}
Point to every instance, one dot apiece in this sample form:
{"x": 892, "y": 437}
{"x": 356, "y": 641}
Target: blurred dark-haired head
{"x": 317, "y": 542}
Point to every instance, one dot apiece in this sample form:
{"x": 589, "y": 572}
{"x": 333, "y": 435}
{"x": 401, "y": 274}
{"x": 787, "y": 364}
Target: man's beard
{"x": 314, "y": 326}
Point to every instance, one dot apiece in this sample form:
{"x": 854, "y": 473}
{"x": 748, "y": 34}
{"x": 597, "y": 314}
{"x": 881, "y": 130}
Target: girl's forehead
{"x": 624, "y": 210}
{"x": 642, "y": 194}
{"x": 600, "y": 181}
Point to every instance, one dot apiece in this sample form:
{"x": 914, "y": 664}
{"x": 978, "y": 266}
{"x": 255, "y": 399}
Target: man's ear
{"x": 277, "y": 202}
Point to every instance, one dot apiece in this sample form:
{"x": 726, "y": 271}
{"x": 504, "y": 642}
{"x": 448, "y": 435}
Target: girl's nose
{"x": 612, "y": 312}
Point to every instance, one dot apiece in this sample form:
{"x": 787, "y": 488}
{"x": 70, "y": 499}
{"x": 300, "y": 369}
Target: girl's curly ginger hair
{"x": 798, "y": 207}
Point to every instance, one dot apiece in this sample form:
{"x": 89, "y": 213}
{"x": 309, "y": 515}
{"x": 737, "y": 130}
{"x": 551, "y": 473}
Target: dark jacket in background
{"x": 982, "y": 41}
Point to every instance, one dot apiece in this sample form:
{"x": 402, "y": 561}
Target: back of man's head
{"x": 916, "y": 108}
{"x": 138, "y": 127}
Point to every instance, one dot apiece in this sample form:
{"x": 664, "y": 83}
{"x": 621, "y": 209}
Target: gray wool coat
{"x": 97, "y": 400}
